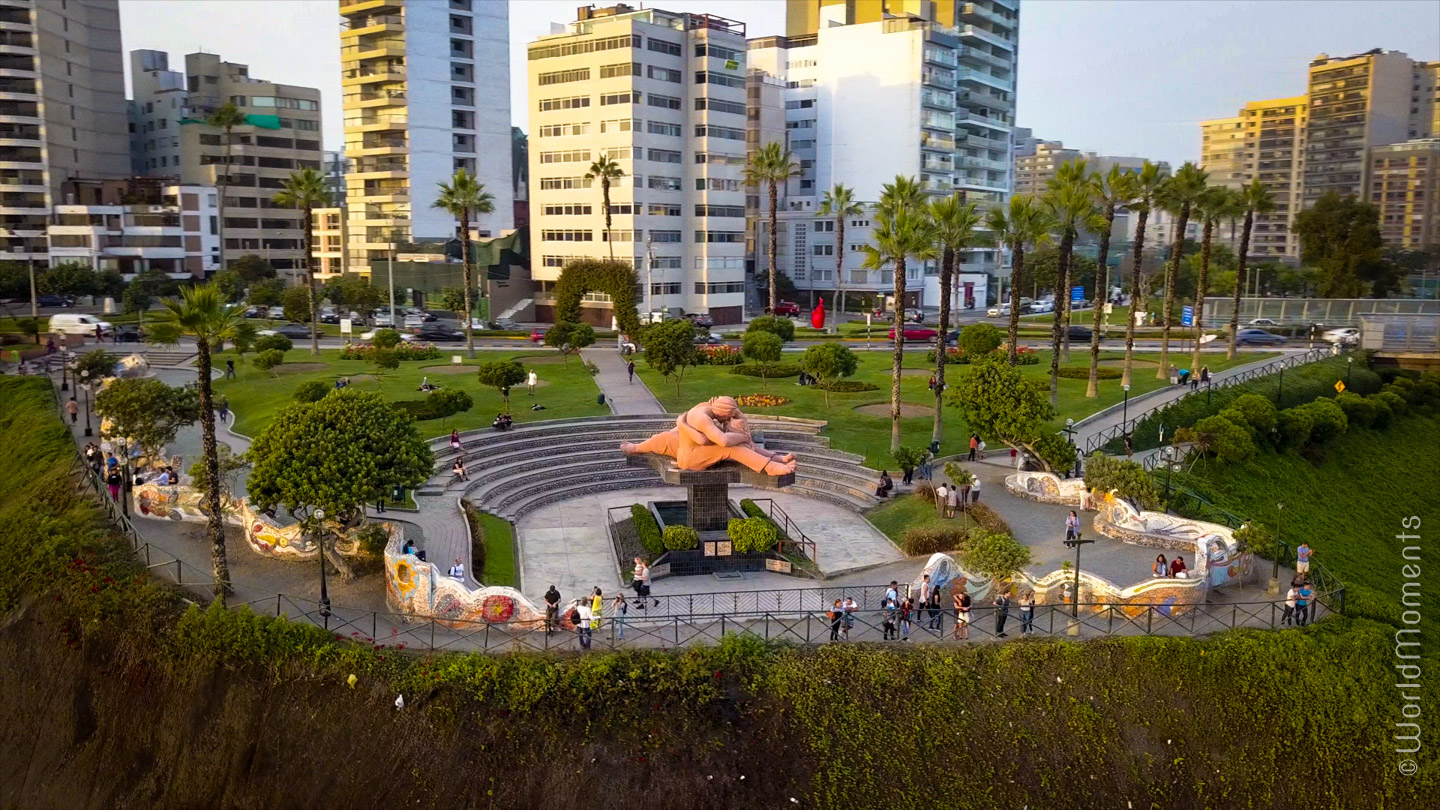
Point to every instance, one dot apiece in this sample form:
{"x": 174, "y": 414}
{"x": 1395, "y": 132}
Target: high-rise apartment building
{"x": 281, "y": 135}
{"x": 1035, "y": 170}
{"x": 62, "y": 97}
{"x": 664, "y": 95}
{"x": 426, "y": 92}
{"x": 1265, "y": 142}
{"x": 1405, "y": 187}
{"x": 933, "y": 97}
{"x": 1355, "y": 103}
{"x": 135, "y": 225}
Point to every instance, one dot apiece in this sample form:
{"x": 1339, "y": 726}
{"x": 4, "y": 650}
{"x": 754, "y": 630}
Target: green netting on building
{"x": 494, "y": 257}
{"x": 261, "y": 121}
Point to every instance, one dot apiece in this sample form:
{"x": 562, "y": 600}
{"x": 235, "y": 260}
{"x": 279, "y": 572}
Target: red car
{"x": 789, "y": 309}
{"x": 915, "y": 333}
{"x": 537, "y": 336}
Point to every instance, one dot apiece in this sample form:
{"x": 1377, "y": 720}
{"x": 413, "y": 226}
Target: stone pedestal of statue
{"x": 709, "y": 489}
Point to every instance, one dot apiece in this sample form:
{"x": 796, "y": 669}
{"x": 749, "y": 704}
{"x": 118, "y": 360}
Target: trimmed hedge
{"x": 617, "y": 280}
{"x": 1083, "y": 373}
{"x": 680, "y": 538}
{"x": 648, "y": 529}
{"x": 769, "y": 371}
{"x": 311, "y": 391}
{"x": 847, "y": 386}
{"x": 752, "y": 535}
{"x": 438, "y": 405}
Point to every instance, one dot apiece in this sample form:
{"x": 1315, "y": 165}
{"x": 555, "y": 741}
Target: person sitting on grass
{"x": 426, "y": 386}
{"x": 502, "y": 421}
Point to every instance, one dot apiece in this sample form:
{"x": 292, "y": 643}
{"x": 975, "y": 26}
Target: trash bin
{"x": 397, "y": 494}
{"x": 600, "y": 398}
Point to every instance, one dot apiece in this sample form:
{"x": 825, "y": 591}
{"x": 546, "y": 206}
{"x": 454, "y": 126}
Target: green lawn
{"x": 905, "y": 512}
{"x": 499, "y": 539}
{"x": 566, "y": 391}
{"x": 869, "y": 434}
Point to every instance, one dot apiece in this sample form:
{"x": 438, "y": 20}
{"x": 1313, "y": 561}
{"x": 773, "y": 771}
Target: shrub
{"x": 784, "y": 328}
{"x": 1359, "y": 411}
{"x": 979, "y": 339}
{"x": 1083, "y": 373}
{"x": 311, "y": 391}
{"x": 1327, "y": 420}
{"x": 268, "y": 359}
{"x": 761, "y": 400}
{"x": 848, "y": 386}
{"x": 752, "y": 509}
{"x": 1383, "y": 415}
{"x": 648, "y": 529}
{"x": 386, "y": 338}
{"x": 1394, "y": 401}
{"x": 752, "y": 535}
{"x": 439, "y": 405}
{"x": 1227, "y": 440}
{"x": 763, "y": 350}
{"x": 680, "y": 538}
{"x": 1128, "y": 479}
{"x": 1026, "y": 356}
{"x": 998, "y": 556}
{"x": 384, "y": 359}
{"x": 923, "y": 541}
{"x": 1057, "y": 453}
{"x": 372, "y": 538}
{"x": 767, "y": 370}
{"x": 1257, "y": 412}
{"x": 717, "y": 356}
{"x": 401, "y": 351}
{"x": 954, "y": 355}
{"x": 987, "y": 518}
{"x": 1257, "y": 539}
{"x": 1294, "y": 426}
{"x": 277, "y": 342}
{"x": 908, "y": 458}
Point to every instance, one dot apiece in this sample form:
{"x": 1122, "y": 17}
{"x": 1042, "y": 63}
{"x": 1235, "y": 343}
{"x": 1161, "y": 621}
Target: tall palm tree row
{"x": 768, "y": 167}
{"x": 1180, "y": 195}
{"x": 202, "y": 313}
{"x": 839, "y": 202}
{"x": 227, "y": 116}
{"x": 1068, "y": 199}
{"x": 1215, "y": 205}
{"x": 305, "y": 190}
{"x": 1111, "y": 191}
{"x": 902, "y": 230}
{"x": 955, "y": 224}
{"x": 1256, "y": 199}
{"x": 1147, "y": 185}
{"x": 1022, "y": 222}
{"x": 606, "y": 171}
{"x": 463, "y": 197}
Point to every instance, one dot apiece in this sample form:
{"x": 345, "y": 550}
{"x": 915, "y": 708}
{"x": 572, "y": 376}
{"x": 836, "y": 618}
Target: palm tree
{"x": 226, "y": 117}
{"x": 203, "y": 314}
{"x": 1148, "y": 183}
{"x": 1256, "y": 199}
{"x": 1111, "y": 191}
{"x": 902, "y": 230}
{"x": 1024, "y": 222}
{"x": 305, "y": 190}
{"x": 1179, "y": 196}
{"x": 1216, "y": 204}
{"x": 955, "y": 225}
{"x": 605, "y": 170}
{"x": 1069, "y": 201}
{"x": 770, "y": 166}
{"x": 839, "y": 202}
{"x": 462, "y": 197}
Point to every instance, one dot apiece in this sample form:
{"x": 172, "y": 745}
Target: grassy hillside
{"x": 111, "y": 696}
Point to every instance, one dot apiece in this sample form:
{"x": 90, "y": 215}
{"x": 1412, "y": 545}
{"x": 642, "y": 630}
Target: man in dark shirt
{"x": 552, "y": 609}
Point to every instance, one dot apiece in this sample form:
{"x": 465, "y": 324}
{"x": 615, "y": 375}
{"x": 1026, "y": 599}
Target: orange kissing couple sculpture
{"x": 710, "y": 433}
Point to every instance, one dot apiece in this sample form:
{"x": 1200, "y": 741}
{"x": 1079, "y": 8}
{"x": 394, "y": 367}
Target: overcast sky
{"x": 1128, "y": 77}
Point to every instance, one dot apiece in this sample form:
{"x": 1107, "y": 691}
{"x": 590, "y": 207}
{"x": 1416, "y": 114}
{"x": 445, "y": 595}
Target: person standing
{"x": 99, "y": 334}
{"x": 952, "y": 500}
{"x": 1302, "y": 603}
{"x": 907, "y": 607}
{"x": 73, "y": 408}
{"x": 1129, "y": 447}
{"x": 455, "y": 440}
{"x": 849, "y": 617}
{"x": 982, "y": 449}
{"x": 552, "y": 610}
{"x": 1290, "y": 597}
{"x": 962, "y": 611}
{"x": 926, "y": 590}
{"x": 888, "y": 615}
{"x": 630, "y": 372}
{"x": 1027, "y": 613}
{"x": 1302, "y": 558}
{"x": 975, "y": 490}
{"x": 836, "y": 615}
{"x": 927, "y": 469}
{"x": 229, "y": 369}
{"x": 974, "y": 445}
{"x": 597, "y": 606}
{"x": 1072, "y": 526}
{"x": 964, "y": 490}
{"x": 892, "y": 593}
{"x": 1002, "y": 612}
{"x": 620, "y": 607}
{"x": 941, "y": 493}
{"x": 580, "y": 617}
{"x": 531, "y": 381}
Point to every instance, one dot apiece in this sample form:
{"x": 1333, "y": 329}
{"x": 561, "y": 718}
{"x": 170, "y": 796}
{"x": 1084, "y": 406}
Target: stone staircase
{"x": 529, "y": 466}
{"x": 169, "y": 357}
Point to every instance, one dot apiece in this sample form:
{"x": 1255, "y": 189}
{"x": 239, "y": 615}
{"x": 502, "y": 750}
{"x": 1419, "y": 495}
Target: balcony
{"x": 940, "y": 143}
{"x": 938, "y": 78}
{"x": 17, "y": 41}
{"x": 388, "y": 46}
{"x": 375, "y": 123}
{"x": 378, "y": 98}
{"x": 373, "y": 24}
{"x": 970, "y": 116}
{"x": 970, "y": 162}
{"x": 937, "y": 183}
{"x": 390, "y": 166}
{"x": 938, "y": 120}
{"x": 936, "y": 98}
{"x": 937, "y": 163}
{"x": 982, "y": 142}
{"x": 980, "y": 77}
{"x": 939, "y": 56}
{"x": 372, "y": 75}
{"x": 348, "y": 7}
{"x": 985, "y": 36}
{"x": 988, "y": 101}
{"x": 973, "y": 12}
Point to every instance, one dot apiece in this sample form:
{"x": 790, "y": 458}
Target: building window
{"x": 716, "y": 184}
{"x": 562, "y": 183}
{"x": 712, "y": 131}
{"x": 588, "y": 46}
{"x": 660, "y": 183}
{"x": 665, "y": 74}
{"x": 619, "y": 69}
{"x": 468, "y": 164}
{"x": 662, "y": 46}
{"x": 566, "y": 210}
{"x": 567, "y": 103}
{"x": 557, "y": 130}
{"x": 737, "y": 211}
{"x": 722, "y": 79}
{"x": 462, "y": 48}
{"x": 725, "y": 237}
{"x": 568, "y": 156}
{"x": 664, "y": 102}
{"x": 567, "y": 235}
{"x": 662, "y": 156}
{"x": 665, "y": 236}
{"x": 632, "y": 97}
{"x": 718, "y": 51}
{"x": 662, "y": 128}
{"x": 461, "y": 72}
{"x": 718, "y": 105}
{"x": 663, "y": 210}
{"x": 462, "y": 95}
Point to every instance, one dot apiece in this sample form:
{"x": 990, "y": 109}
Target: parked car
{"x": 1263, "y": 322}
{"x": 1078, "y": 333}
{"x": 701, "y": 319}
{"x": 294, "y": 331}
{"x": 789, "y": 309}
{"x": 507, "y": 324}
{"x": 915, "y": 333}
{"x": 437, "y": 333}
{"x": 1257, "y": 337}
{"x": 656, "y": 316}
{"x": 52, "y": 300}
{"x": 256, "y": 312}
{"x": 329, "y": 315}
{"x": 78, "y": 324}
{"x": 1343, "y": 335}
{"x": 1040, "y": 307}
{"x": 1001, "y": 311}
{"x": 537, "y": 336}
{"x": 414, "y": 322}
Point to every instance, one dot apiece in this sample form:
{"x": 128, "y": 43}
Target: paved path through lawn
{"x": 626, "y": 396}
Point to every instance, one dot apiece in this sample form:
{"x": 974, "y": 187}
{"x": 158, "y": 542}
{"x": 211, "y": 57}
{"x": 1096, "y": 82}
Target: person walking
{"x": 73, "y": 408}
{"x": 457, "y": 571}
{"x": 99, "y": 334}
{"x": 974, "y": 445}
{"x": 1302, "y": 558}
{"x": 619, "y": 607}
{"x": 1072, "y": 526}
{"x": 630, "y": 372}
{"x": 907, "y": 607}
{"x": 229, "y": 369}
{"x": 975, "y": 489}
{"x": 961, "y": 600}
{"x": 1002, "y": 612}
{"x": 113, "y": 479}
{"x": 1027, "y": 613}
{"x": 224, "y": 410}
{"x": 552, "y": 610}
{"x": 531, "y": 381}
{"x": 927, "y": 469}
{"x": 952, "y": 500}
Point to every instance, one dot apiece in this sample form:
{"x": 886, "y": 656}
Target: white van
{"x": 68, "y": 323}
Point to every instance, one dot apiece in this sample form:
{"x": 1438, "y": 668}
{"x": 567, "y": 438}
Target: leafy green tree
{"x": 279, "y": 342}
{"x": 1180, "y": 195}
{"x": 447, "y": 402}
{"x": 606, "y": 171}
{"x": 1128, "y": 479}
{"x": 463, "y": 197}
{"x": 908, "y": 458}
{"x": 502, "y": 376}
{"x": 98, "y": 362}
{"x": 311, "y": 391}
{"x": 386, "y": 339}
{"x": 762, "y": 349}
{"x": 30, "y": 327}
{"x": 1042, "y": 270}
{"x": 231, "y": 284}
{"x": 202, "y": 314}
{"x": 956, "y": 225}
{"x": 296, "y": 305}
{"x": 384, "y": 360}
{"x": 979, "y": 340}
{"x": 1218, "y": 435}
{"x": 1327, "y": 420}
{"x": 305, "y": 190}
{"x": 902, "y": 230}
{"x": 998, "y": 556}
{"x": 1055, "y": 451}
{"x": 353, "y": 293}
{"x": 998, "y": 401}
{"x": 228, "y": 465}
{"x": 109, "y": 284}
{"x": 135, "y": 301}
{"x": 1147, "y": 186}
{"x": 768, "y": 167}
{"x": 453, "y": 299}
{"x": 783, "y": 328}
{"x": 335, "y": 455}
{"x": 670, "y": 348}
{"x": 156, "y": 284}
{"x": 569, "y": 338}
{"x": 267, "y": 292}
{"x": 268, "y": 359}
{"x": 828, "y": 362}
{"x": 67, "y": 278}
{"x": 1072, "y": 206}
{"x": 1341, "y": 236}
{"x": 839, "y": 202}
{"x": 253, "y": 268}
{"x": 1256, "y": 411}
{"x": 1214, "y": 206}
{"x": 14, "y": 280}
{"x": 1023, "y": 223}
{"x": 147, "y": 411}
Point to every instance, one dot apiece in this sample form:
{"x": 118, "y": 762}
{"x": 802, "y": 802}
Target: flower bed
{"x": 762, "y": 401}
{"x": 717, "y": 356}
{"x": 403, "y": 351}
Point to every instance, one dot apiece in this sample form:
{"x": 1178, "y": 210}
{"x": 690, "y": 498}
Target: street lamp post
{"x": 1075, "y": 596}
{"x": 85, "y": 384}
{"x": 320, "y": 544}
{"x": 64, "y": 366}
{"x": 1349, "y": 364}
{"x": 1280, "y": 395}
{"x": 1070, "y": 437}
{"x": 124, "y": 447}
{"x": 1125, "y": 413}
{"x": 1280, "y": 544}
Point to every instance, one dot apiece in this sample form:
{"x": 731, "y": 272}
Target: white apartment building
{"x": 175, "y": 233}
{"x": 426, "y": 92}
{"x": 62, "y": 111}
{"x": 933, "y": 97}
{"x": 664, "y": 95}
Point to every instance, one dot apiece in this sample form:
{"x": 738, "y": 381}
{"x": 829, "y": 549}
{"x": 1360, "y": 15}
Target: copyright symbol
{"x": 1407, "y": 767}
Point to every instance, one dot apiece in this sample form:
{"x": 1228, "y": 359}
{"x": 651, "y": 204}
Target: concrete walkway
{"x": 626, "y": 396}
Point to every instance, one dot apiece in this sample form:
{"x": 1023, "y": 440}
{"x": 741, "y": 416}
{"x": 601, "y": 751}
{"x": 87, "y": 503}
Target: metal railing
{"x": 1117, "y": 432}
{"x": 794, "y": 536}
